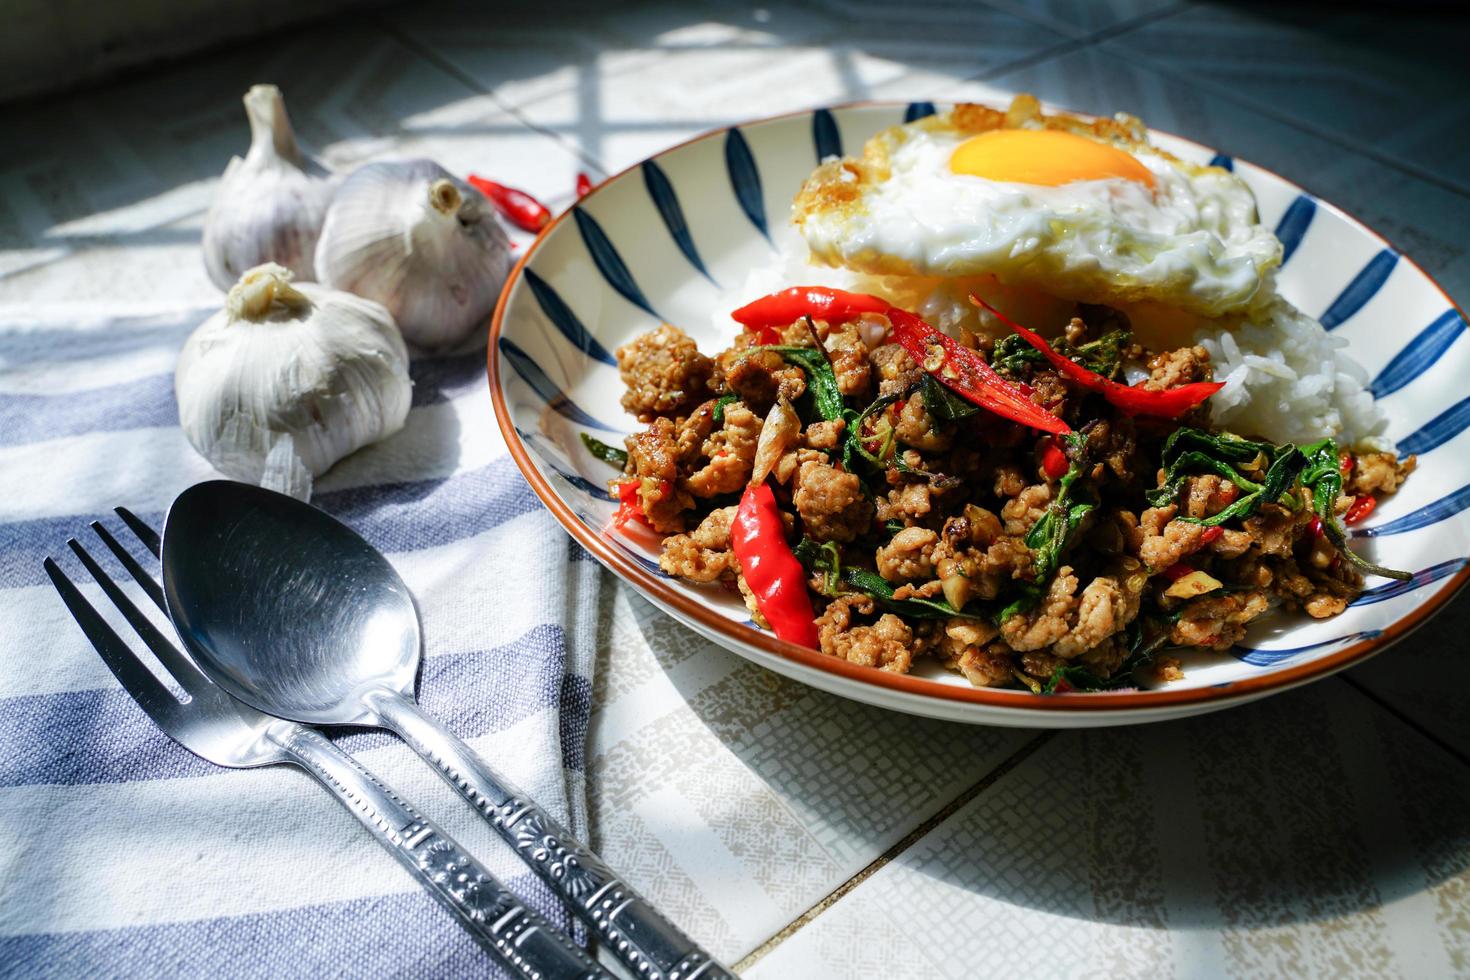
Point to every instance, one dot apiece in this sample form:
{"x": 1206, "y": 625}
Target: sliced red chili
{"x": 1177, "y": 571}
{"x": 584, "y": 185}
{"x": 518, "y": 207}
{"x": 1315, "y": 526}
{"x": 1360, "y": 509}
{"x": 1345, "y": 463}
{"x": 630, "y": 507}
{"x": 962, "y": 370}
{"x": 1053, "y": 461}
{"x": 1211, "y": 534}
{"x": 1171, "y": 403}
{"x": 775, "y": 576}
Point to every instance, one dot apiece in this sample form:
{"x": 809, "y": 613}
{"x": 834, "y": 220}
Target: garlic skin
{"x": 421, "y": 242}
{"x": 270, "y": 205}
{"x": 288, "y": 379}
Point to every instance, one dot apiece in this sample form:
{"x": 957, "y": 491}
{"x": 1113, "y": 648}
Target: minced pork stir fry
{"x": 882, "y": 492}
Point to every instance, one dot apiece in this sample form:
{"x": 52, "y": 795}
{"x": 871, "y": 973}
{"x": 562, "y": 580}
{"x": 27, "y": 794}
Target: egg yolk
{"x": 1050, "y": 157}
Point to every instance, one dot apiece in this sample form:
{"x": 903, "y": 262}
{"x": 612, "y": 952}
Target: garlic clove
{"x": 270, "y": 205}
{"x": 288, "y": 379}
{"x": 421, "y": 242}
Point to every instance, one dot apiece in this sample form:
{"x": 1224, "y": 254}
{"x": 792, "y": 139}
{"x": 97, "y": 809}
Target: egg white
{"x": 1192, "y": 241}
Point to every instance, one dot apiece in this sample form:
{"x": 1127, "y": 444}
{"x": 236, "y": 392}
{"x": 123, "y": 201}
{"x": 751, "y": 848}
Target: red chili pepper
{"x": 773, "y": 573}
{"x": 962, "y": 370}
{"x": 584, "y": 185}
{"x": 1211, "y": 534}
{"x": 518, "y": 207}
{"x": 1360, "y": 509}
{"x": 967, "y": 373}
{"x": 1053, "y": 461}
{"x": 1135, "y": 401}
{"x": 818, "y": 302}
{"x": 1315, "y": 526}
{"x": 630, "y": 508}
{"x": 1345, "y": 463}
{"x": 1177, "y": 571}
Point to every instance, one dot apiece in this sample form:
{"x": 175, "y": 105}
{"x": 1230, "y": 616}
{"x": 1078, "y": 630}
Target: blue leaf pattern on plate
{"x": 1438, "y": 430}
{"x": 554, "y": 397}
{"x": 1421, "y": 578}
{"x": 564, "y": 319}
{"x": 1365, "y": 286}
{"x": 1222, "y": 161}
{"x": 918, "y": 110}
{"x": 1265, "y": 658}
{"x": 745, "y": 178}
{"x": 1292, "y": 227}
{"x": 1420, "y": 353}
{"x": 825, "y": 136}
{"x": 1423, "y": 517}
{"x": 609, "y": 262}
{"x": 667, "y": 202}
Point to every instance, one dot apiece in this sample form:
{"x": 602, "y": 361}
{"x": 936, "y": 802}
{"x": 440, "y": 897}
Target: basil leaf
{"x": 943, "y": 404}
{"x": 822, "y": 559}
{"x": 720, "y": 408}
{"x": 608, "y": 454}
{"x": 821, "y": 380}
{"x": 1279, "y": 478}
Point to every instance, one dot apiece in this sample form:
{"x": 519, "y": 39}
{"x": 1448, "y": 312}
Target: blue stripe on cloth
{"x": 78, "y": 738}
{"x": 1265, "y": 658}
{"x": 555, "y": 398}
{"x": 1438, "y": 430}
{"x": 745, "y": 179}
{"x": 393, "y": 516}
{"x": 1419, "y": 354}
{"x": 562, "y": 317}
{"x": 149, "y": 401}
{"x": 664, "y": 198}
{"x": 124, "y": 335}
{"x": 918, "y": 110}
{"x": 1222, "y": 161}
{"x": 402, "y": 934}
{"x": 1444, "y": 507}
{"x": 1356, "y": 294}
{"x": 825, "y": 138}
{"x": 1423, "y": 577}
{"x": 605, "y": 256}
{"x": 1292, "y": 227}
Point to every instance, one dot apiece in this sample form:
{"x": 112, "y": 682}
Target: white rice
{"x": 1286, "y": 378}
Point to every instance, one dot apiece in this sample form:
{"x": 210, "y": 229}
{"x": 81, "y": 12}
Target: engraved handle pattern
{"x": 633, "y": 929}
{"x": 529, "y": 945}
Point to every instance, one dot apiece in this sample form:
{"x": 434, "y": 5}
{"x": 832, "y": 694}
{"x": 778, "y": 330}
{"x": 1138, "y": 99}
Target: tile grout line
{"x": 1388, "y": 706}
{"x": 428, "y": 54}
{"x": 903, "y": 844}
{"x": 1071, "y": 43}
{"x": 1219, "y": 91}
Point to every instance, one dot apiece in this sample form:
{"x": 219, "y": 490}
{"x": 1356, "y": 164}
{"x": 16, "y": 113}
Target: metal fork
{"x": 226, "y": 732}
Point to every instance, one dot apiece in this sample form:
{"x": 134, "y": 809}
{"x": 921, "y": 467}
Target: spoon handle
{"x": 632, "y": 929}
{"x": 527, "y": 944}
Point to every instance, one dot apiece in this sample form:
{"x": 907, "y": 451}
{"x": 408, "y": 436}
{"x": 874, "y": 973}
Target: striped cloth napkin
{"x": 122, "y": 854}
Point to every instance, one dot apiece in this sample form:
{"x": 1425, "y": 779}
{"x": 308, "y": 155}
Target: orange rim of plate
{"x": 1093, "y": 701}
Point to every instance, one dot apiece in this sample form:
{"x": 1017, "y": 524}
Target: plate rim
{"x": 906, "y": 685}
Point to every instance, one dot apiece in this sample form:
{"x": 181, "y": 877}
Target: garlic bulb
{"x": 286, "y": 380}
{"x": 421, "y": 242}
{"x": 271, "y": 204}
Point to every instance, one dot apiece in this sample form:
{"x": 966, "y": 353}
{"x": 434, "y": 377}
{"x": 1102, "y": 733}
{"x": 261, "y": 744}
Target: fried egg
{"x": 1085, "y": 211}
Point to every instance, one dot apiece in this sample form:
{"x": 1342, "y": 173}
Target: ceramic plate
{"x": 673, "y": 238}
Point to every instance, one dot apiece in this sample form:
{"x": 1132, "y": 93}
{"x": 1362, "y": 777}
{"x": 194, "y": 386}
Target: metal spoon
{"x": 292, "y": 612}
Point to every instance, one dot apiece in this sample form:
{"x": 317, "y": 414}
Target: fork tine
{"x": 170, "y": 656}
{"x": 138, "y": 526}
{"x": 148, "y": 583}
{"x": 139, "y": 681}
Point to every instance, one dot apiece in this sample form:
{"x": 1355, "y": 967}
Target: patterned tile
{"x": 619, "y": 109}
{"x": 796, "y": 790}
{"x": 1394, "y": 84}
{"x": 1083, "y": 18}
{"x": 1292, "y": 837}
